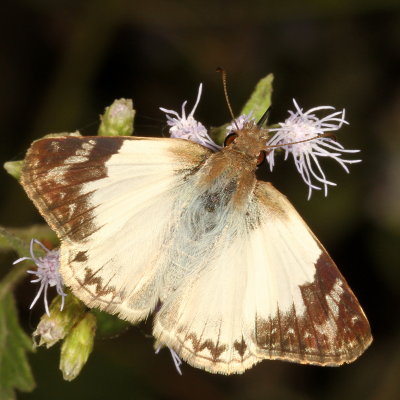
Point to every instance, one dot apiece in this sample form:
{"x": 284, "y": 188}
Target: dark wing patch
{"x": 54, "y": 173}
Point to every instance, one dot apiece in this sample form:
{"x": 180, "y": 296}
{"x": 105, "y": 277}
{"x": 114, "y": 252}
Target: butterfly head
{"x": 250, "y": 140}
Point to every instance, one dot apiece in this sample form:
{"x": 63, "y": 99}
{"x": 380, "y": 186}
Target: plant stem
{"x": 11, "y": 279}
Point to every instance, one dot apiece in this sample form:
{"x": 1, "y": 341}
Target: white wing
{"x": 266, "y": 289}
{"x": 112, "y": 200}
{"x": 238, "y": 274}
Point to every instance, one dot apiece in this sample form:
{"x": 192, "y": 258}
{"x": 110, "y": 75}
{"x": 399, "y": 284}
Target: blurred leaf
{"x": 260, "y": 99}
{"x": 10, "y": 241}
{"x": 18, "y": 239}
{"x": 14, "y": 168}
{"x": 15, "y": 372}
{"x": 109, "y": 325}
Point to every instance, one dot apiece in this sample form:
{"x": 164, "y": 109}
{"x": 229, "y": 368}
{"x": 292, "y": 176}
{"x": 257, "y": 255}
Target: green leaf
{"x": 14, "y": 168}
{"x": 11, "y": 241}
{"x": 109, "y": 325}
{"x": 260, "y": 99}
{"x": 15, "y": 373}
{"x": 18, "y": 239}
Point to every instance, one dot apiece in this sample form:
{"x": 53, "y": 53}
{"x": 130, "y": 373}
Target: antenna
{"x": 223, "y": 77}
{"x": 326, "y": 134}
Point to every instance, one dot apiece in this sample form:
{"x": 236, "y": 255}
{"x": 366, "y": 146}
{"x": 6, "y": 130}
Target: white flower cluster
{"x": 303, "y": 135}
{"x": 46, "y": 273}
{"x": 183, "y": 127}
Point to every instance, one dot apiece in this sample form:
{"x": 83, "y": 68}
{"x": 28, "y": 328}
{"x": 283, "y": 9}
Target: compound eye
{"x": 261, "y": 157}
{"x": 230, "y": 139}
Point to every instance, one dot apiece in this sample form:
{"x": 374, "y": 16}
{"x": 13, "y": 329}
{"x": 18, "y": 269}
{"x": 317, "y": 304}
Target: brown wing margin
{"x": 332, "y": 331}
{"x": 54, "y": 172}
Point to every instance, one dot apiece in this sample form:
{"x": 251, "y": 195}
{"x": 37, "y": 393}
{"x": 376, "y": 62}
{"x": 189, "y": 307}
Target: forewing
{"x": 266, "y": 289}
{"x": 112, "y": 201}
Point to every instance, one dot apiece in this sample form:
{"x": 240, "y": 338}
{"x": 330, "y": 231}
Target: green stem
{"x": 11, "y": 279}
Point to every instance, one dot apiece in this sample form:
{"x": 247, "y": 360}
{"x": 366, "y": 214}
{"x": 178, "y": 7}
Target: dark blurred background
{"x": 62, "y": 62}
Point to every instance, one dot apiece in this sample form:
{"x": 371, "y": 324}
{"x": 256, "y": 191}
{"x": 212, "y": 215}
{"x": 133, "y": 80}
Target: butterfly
{"x": 230, "y": 270}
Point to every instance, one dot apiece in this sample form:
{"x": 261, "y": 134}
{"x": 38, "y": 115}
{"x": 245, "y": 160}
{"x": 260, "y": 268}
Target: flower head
{"x": 46, "y": 273}
{"x": 239, "y": 123}
{"x": 186, "y": 127}
{"x": 307, "y": 128}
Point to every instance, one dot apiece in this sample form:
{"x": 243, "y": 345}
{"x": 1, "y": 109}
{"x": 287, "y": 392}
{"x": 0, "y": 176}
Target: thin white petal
{"x": 42, "y": 285}
{"x": 177, "y": 361}
{"x": 197, "y": 100}
{"x": 46, "y": 305}
{"x": 169, "y": 112}
{"x": 22, "y": 259}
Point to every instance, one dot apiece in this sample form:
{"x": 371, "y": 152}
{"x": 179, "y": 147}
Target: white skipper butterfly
{"x": 234, "y": 272}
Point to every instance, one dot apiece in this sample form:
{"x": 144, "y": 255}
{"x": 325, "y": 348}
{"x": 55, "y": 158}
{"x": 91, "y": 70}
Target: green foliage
{"x": 14, "y": 168}
{"x": 109, "y": 325}
{"x": 73, "y": 325}
{"x": 18, "y": 239}
{"x": 11, "y": 241}
{"x": 15, "y": 372}
{"x": 260, "y": 99}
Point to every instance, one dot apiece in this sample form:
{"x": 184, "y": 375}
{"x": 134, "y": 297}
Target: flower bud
{"x": 117, "y": 119}
{"x": 77, "y": 346}
{"x": 57, "y": 325}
